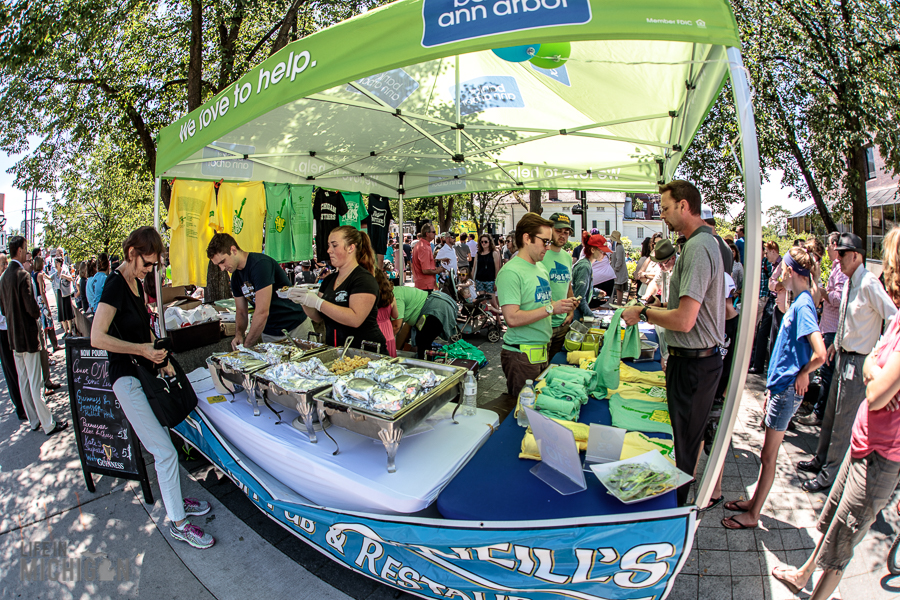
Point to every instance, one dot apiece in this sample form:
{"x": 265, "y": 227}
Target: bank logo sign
{"x": 448, "y": 21}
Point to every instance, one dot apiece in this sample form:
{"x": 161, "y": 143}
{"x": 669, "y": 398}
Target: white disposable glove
{"x": 311, "y": 300}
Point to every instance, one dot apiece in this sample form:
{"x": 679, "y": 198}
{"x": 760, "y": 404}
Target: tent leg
{"x": 160, "y": 327}
{"x": 752, "y": 257}
{"x": 399, "y": 254}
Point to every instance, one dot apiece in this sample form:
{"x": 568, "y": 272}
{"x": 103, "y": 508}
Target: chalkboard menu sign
{"x": 106, "y": 442}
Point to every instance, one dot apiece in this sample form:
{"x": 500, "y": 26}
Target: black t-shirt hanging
{"x": 378, "y": 222}
{"x": 131, "y": 323}
{"x": 327, "y": 208}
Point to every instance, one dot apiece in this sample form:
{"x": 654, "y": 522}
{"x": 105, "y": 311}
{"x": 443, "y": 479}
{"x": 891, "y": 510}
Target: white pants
{"x": 156, "y": 440}
{"x": 31, "y": 386}
{"x": 299, "y": 332}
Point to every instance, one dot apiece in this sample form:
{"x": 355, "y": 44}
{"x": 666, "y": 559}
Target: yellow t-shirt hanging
{"x": 190, "y": 211}
{"x": 242, "y": 213}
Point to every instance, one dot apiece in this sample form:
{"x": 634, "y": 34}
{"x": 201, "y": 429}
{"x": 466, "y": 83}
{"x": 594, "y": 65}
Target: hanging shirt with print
{"x": 241, "y": 211}
{"x": 288, "y": 222}
{"x": 356, "y": 210}
{"x": 191, "y": 210}
{"x": 327, "y": 208}
{"x": 378, "y": 222}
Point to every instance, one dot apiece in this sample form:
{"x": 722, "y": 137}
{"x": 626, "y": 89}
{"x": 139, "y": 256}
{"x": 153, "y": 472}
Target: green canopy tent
{"x": 409, "y": 100}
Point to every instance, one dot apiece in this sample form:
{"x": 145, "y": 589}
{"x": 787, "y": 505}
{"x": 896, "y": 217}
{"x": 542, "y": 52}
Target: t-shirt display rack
{"x": 201, "y": 207}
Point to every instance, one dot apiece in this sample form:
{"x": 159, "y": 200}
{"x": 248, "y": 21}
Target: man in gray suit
{"x": 19, "y": 306}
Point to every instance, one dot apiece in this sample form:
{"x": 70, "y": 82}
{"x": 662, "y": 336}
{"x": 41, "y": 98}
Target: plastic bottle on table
{"x": 470, "y": 395}
{"x": 526, "y": 400}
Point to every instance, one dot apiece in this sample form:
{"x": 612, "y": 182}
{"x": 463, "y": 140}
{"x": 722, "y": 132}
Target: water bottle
{"x": 526, "y": 400}
{"x": 470, "y": 395}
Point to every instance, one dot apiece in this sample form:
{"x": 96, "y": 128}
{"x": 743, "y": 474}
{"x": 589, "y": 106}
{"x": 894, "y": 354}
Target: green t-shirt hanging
{"x": 302, "y": 221}
{"x": 559, "y": 267}
{"x": 356, "y": 210}
{"x": 528, "y": 287}
{"x": 288, "y": 222}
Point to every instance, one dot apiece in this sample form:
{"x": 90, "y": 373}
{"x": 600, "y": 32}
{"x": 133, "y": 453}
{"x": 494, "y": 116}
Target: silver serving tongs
{"x": 294, "y": 343}
{"x": 346, "y": 345}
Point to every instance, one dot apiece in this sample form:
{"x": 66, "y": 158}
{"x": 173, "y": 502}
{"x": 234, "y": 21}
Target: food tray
{"x": 389, "y": 428}
{"x": 310, "y": 420}
{"x": 653, "y": 458}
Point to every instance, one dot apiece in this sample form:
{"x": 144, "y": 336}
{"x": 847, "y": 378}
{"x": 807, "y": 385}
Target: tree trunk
{"x": 195, "y": 60}
{"x": 857, "y": 171}
{"x": 284, "y": 33}
{"x": 534, "y": 201}
{"x": 218, "y": 286}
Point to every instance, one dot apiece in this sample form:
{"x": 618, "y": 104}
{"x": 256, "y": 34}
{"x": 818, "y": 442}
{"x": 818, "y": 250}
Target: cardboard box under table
{"x": 356, "y": 478}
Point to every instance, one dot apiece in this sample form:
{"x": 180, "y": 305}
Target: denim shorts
{"x": 781, "y": 408}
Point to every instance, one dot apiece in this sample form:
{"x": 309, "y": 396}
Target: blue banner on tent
{"x": 585, "y": 559}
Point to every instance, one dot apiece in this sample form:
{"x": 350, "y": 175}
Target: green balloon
{"x": 548, "y": 52}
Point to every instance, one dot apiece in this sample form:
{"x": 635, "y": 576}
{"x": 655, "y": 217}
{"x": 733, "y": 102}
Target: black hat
{"x": 562, "y": 221}
{"x": 850, "y": 241}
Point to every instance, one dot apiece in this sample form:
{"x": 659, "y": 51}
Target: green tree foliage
{"x": 101, "y": 200}
{"x": 825, "y": 84}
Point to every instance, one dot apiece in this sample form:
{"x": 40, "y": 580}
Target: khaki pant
{"x": 31, "y": 386}
{"x": 298, "y": 333}
{"x": 518, "y": 369}
{"x": 557, "y": 340}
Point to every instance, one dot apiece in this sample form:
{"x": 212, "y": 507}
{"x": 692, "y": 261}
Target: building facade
{"x": 634, "y": 216}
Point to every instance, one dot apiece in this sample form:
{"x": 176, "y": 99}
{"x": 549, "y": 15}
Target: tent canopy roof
{"x": 413, "y": 88}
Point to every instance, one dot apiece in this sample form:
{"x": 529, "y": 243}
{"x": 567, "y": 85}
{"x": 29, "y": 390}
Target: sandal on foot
{"x": 732, "y": 505}
{"x": 778, "y": 573}
{"x": 732, "y": 523}
{"x": 713, "y": 502}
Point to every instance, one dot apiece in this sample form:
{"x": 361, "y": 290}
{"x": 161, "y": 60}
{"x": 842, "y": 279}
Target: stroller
{"x": 473, "y": 317}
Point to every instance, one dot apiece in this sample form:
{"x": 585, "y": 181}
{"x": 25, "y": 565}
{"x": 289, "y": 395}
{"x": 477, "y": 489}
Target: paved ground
{"x": 43, "y": 498}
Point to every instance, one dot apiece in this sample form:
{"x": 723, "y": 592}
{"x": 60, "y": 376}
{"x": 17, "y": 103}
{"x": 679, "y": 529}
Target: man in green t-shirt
{"x": 523, "y": 287}
{"x": 559, "y": 267}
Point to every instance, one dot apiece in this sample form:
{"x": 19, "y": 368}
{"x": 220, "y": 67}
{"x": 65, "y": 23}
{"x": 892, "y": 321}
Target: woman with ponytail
{"x": 583, "y": 272}
{"x": 347, "y": 299}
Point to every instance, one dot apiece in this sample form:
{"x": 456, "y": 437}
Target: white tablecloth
{"x": 357, "y": 478}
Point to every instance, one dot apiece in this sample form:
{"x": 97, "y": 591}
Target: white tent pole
{"x": 160, "y": 329}
{"x": 752, "y": 257}
{"x": 399, "y": 253}
{"x": 458, "y": 132}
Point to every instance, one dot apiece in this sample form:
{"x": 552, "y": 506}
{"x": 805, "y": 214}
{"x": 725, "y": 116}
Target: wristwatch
{"x": 549, "y": 309}
{"x": 644, "y": 314}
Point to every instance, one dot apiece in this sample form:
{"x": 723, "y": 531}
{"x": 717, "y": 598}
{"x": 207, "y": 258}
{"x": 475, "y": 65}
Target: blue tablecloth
{"x": 496, "y": 484}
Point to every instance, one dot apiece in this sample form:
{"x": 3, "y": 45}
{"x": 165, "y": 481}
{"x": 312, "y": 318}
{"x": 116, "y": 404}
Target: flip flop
{"x": 713, "y": 502}
{"x": 733, "y": 506}
{"x": 775, "y": 573}
{"x": 737, "y": 524}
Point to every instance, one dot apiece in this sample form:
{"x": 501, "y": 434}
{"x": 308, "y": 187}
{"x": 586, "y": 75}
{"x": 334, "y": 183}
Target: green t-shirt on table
{"x": 528, "y": 287}
{"x": 288, "y": 222}
{"x": 410, "y": 301}
{"x": 559, "y": 267}
{"x": 356, "y": 210}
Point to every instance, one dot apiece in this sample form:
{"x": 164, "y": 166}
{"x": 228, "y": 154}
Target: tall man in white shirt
{"x": 865, "y": 307}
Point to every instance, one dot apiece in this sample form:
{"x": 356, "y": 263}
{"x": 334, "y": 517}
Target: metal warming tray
{"x": 310, "y": 420}
{"x": 389, "y": 428}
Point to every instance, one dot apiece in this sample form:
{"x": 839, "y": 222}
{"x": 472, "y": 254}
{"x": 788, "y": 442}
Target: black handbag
{"x": 171, "y": 397}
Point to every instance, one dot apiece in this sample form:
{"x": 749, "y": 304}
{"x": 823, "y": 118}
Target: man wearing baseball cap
{"x": 559, "y": 266}
{"x": 865, "y": 308}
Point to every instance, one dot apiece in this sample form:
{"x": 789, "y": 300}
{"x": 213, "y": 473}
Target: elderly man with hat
{"x": 865, "y": 308}
{"x": 617, "y": 261}
{"x": 559, "y": 266}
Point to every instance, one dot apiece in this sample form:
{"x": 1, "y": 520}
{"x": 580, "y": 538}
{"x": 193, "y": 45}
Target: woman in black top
{"x": 346, "y": 299}
{"x": 487, "y": 265}
{"x": 122, "y": 328}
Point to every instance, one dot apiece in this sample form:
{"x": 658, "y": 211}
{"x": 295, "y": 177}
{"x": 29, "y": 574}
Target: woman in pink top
{"x": 871, "y": 470}
{"x": 387, "y": 311}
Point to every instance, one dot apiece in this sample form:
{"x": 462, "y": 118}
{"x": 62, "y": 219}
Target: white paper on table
{"x": 557, "y": 446}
